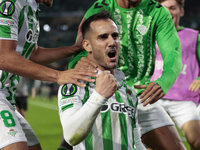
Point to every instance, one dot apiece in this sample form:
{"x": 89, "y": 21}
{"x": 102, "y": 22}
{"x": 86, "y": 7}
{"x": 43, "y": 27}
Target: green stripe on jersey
{"x": 67, "y": 107}
{"x": 29, "y": 50}
{"x": 5, "y": 31}
{"x": 21, "y": 19}
{"x": 3, "y": 78}
{"x": 106, "y": 128}
{"x": 89, "y": 142}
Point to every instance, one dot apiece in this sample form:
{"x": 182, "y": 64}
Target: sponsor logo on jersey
{"x": 12, "y": 132}
{"x": 69, "y": 89}
{"x": 31, "y": 37}
{"x": 7, "y": 22}
{"x": 105, "y": 107}
{"x": 69, "y": 101}
{"x": 119, "y": 108}
{"x": 7, "y": 8}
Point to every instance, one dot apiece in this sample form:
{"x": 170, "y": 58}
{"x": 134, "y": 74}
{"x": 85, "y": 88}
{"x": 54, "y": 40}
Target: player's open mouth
{"x": 111, "y": 54}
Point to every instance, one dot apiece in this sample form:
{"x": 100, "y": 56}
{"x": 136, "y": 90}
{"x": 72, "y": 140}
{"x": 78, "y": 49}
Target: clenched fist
{"x": 106, "y": 84}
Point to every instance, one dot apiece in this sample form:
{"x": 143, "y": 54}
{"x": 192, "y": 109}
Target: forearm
{"x": 171, "y": 69}
{"x": 49, "y": 55}
{"x": 77, "y": 124}
{"x": 14, "y": 63}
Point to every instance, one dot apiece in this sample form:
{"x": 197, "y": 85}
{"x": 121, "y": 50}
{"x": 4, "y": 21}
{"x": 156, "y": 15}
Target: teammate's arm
{"x": 12, "y": 62}
{"x": 42, "y": 55}
{"x": 170, "y": 49}
{"x": 195, "y": 86}
{"x": 169, "y": 45}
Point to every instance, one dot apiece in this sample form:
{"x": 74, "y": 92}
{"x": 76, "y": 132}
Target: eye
{"x": 103, "y": 36}
{"x": 173, "y": 8}
{"x": 115, "y": 35}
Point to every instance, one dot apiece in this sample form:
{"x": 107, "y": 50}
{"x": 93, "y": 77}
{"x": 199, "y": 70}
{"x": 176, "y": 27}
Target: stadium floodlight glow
{"x": 47, "y": 28}
{"x": 64, "y": 27}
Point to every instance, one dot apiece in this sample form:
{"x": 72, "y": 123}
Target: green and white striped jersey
{"x": 114, "y": 125}
{"x": 19, "y": 21}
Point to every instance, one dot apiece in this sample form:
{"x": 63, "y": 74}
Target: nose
{"x": 112, "y": 41}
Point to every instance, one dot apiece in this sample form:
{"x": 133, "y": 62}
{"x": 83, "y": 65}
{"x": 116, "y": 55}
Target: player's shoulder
{"x": 100, "y": 5}
{"x": 10, "y": 3}
{"x": 103, "y": 3}
{"x": 9, "y": 7}
{"x": 153, "y": 8}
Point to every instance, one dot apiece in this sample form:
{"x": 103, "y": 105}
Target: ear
{"x": 87, "y": 46}
{"x": 182, "y": 11}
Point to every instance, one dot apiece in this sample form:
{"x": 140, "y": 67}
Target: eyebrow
{"x": 103, "y": 34}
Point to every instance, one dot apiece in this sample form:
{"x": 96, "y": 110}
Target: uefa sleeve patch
{"x": 69, "y": 89}
{"x": 67, "y": 101}
{"x": 7, "y": 8}
{"x": 6, "y": 22}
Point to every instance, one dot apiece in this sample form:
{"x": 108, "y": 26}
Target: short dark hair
{"x": 103, "y": 15}
{"x": 180, "y": 2}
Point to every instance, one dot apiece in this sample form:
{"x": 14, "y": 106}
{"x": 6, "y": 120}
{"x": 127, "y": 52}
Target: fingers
{"x": 152, "y": 94}
{"x": 195, "y": 86}
{"x": 75, "y": 75}
{"x": 86, "y": 63}
{"x": 140, "y": 86}
{"x": 148, "y": 89}
{"x": 154, "y": 98}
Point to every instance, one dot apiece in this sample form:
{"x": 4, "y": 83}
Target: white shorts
{"x": 151, "y": 117}
{"x": 13, "y": 127}
{"x": 180, "y": 111}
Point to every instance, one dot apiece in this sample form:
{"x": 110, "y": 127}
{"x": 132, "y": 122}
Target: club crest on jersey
{"x": 12, "y": 132}
{"x": 68, "y": 89}
{"x": 7, "y": 8}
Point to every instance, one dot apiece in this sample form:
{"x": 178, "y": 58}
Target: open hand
{"x": 74, "y": 75}
{"x": 151, "y": 94}
{"x": 86, "y": 63}
{"x": 195, "y": 86}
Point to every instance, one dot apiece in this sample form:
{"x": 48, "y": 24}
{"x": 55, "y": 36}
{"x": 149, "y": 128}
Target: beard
{"x": 134, "y": 4}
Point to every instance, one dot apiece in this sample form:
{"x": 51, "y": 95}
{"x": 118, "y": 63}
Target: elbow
{"x": 74, "y": 139}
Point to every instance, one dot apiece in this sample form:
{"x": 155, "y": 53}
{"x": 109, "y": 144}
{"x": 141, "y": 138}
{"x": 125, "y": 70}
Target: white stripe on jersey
{"x": 98, "y": 135}
{"x": 115, "y": 128}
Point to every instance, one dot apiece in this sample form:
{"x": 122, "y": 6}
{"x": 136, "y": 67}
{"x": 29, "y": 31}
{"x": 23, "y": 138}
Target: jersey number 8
{"x": 7, "y": 118}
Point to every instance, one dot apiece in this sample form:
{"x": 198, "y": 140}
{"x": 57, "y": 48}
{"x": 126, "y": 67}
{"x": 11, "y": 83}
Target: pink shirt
{"x": 190, "y": 71}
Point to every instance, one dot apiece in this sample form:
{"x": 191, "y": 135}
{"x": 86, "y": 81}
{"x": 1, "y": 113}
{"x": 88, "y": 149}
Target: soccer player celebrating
{"x": 141, "y": 23}
{"x": 183, "y": 97}
{"x": 19, "y": 28}
{"x": 102, "y": 115}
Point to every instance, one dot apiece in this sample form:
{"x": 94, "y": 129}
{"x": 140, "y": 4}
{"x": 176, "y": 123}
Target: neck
{"x": 104, "y": 69}
{"x": 177, "y": 26}
{"x": 127, "y": 4}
